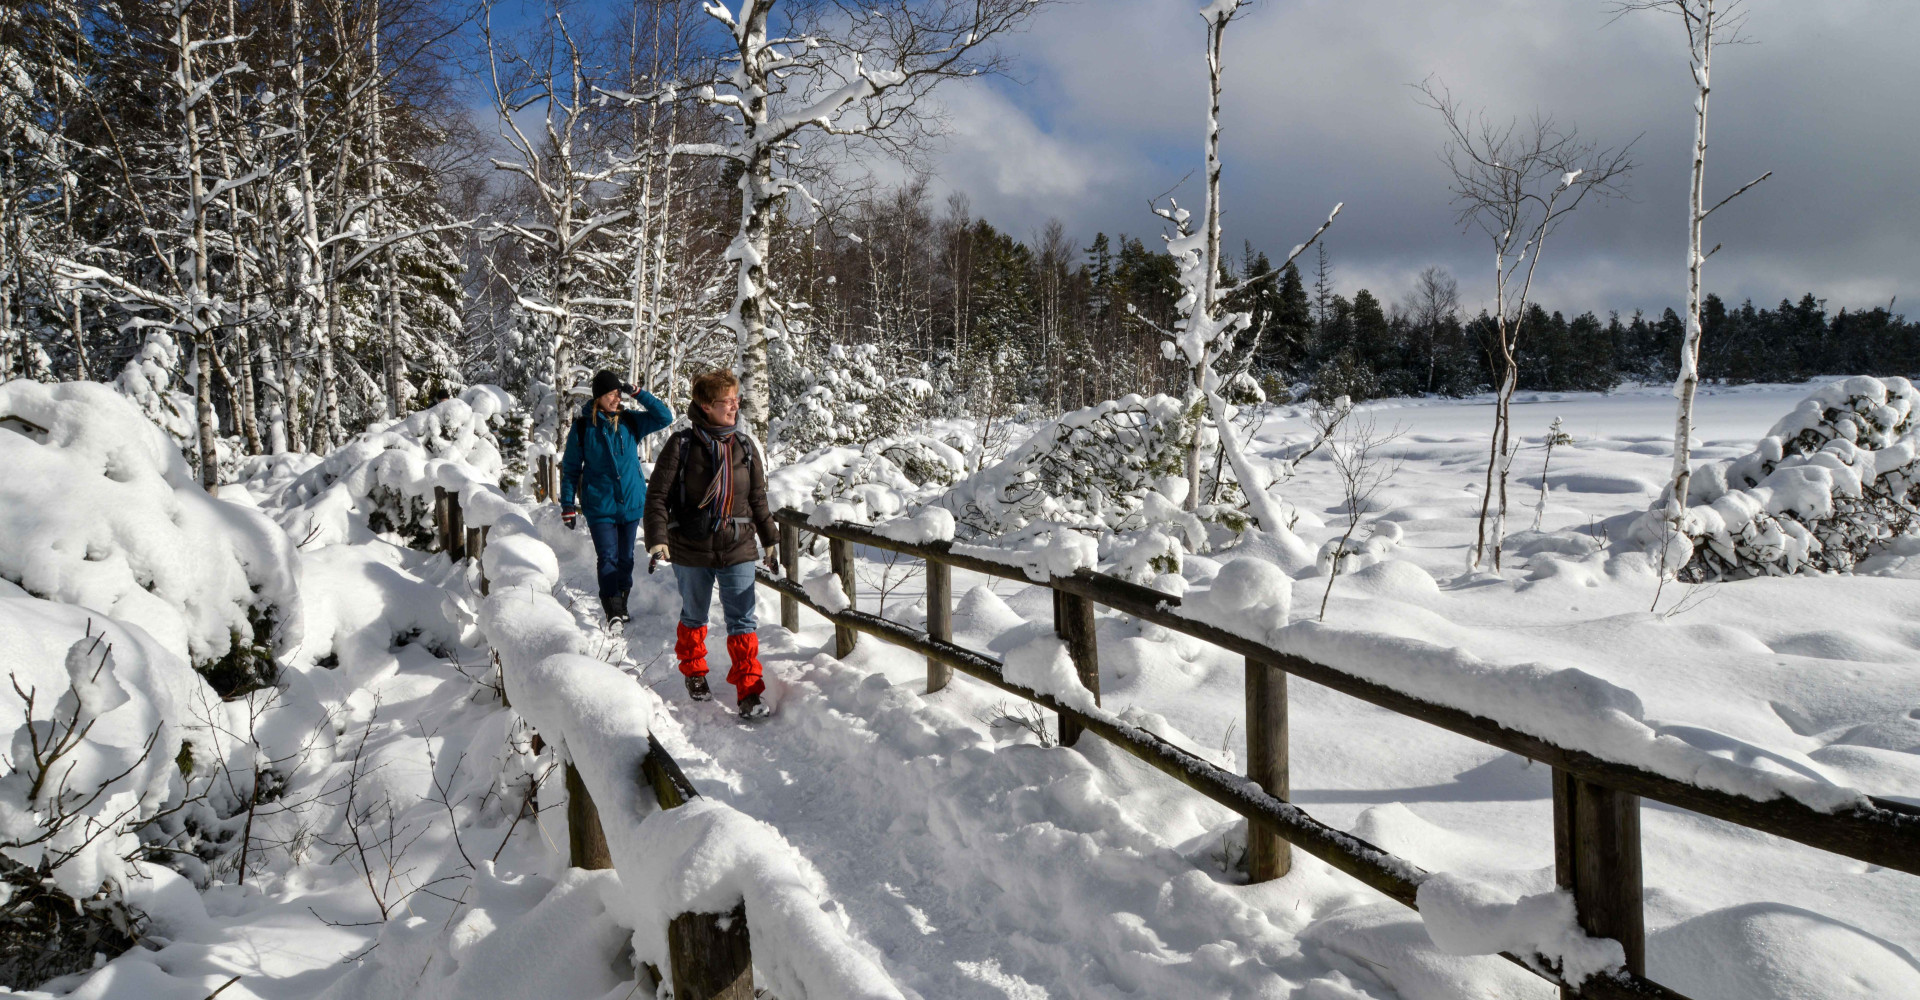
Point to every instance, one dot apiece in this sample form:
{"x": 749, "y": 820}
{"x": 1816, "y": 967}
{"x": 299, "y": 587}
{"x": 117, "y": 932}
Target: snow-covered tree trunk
{"x": 199, "y": 303}
{"x": 317, "y": 432}
{"x": 1205, "y": 329}
{"x": 389, "y": 295}
{"x": 1688, "y": 380}
{"x": 1707, "y": 23}
{"x": 868, "y": 63}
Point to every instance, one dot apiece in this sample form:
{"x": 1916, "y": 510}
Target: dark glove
{"x": 772, "y": 560}
{"x": 567, "y": 515}
{"x": 630, "y": 389}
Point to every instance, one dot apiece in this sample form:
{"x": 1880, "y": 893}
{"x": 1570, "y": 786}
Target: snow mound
{"x": 1771, "y": 951}
{"x": 99, "y": 509}
{"x": 1340, "y": 556}
{"x": 1250, "y": 597}
{"x": 1829, "y": 485}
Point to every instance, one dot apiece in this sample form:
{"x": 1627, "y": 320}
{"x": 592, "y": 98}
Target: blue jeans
{"x": 736, "y": 596}
{"x": 613, "y": 554}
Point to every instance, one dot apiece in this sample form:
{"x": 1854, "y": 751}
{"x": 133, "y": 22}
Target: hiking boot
{"x": 697, "y": 688}
{"x": 617, "y": 609}
{"x": 752, "y": 707}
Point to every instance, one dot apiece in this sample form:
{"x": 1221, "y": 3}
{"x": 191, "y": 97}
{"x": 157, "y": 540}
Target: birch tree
{"x": 1515, "y": 182}
{"x": 1707, "y": 23}
{"x": 560, "y": 174}
{"x": 850, "y": 68}
{"x": 1206, "y": 329}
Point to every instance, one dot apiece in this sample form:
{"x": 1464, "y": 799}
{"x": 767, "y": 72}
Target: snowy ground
{"x": 976, "y": 864}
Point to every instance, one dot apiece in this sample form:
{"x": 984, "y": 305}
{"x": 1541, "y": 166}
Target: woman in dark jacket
{"x": 600, "y": 476}
{"x": 705, "y": 514}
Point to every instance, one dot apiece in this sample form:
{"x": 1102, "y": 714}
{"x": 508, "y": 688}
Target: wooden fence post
{"x": 1269, "y": 856}
{"x": 440, "y": 518}
{"x": 1596, "y": 855}
{"x": 586, "y": 841}
{"x": 476, "y": 551}
{"x": 456, "y": 529}
{"x": 711, "y": 954}
{"x": 840, "y": 557}
{"x": 790, "y": 561}
{"x": 1073, "y": 623}
{"x": 939, "y": 620}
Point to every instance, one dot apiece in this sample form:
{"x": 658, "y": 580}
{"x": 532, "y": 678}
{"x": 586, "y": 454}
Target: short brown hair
{"x": 709, "y": 386}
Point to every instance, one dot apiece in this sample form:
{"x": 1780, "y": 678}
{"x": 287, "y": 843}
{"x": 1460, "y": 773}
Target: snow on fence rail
{"x": 1589, "y": 937}
{"x": 697, "y": 873}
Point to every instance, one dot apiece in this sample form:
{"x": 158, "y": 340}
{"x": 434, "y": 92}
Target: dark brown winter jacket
{"x": 686, "y": 461}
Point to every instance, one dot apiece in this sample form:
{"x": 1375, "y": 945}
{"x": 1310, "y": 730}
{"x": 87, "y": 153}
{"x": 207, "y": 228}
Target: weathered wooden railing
{"x": 1596, "y": 802}
{"x": 709, "y": 954}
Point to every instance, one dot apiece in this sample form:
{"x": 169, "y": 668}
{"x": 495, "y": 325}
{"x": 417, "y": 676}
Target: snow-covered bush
{"x": 878, "y": 481}
{"x": 847, "y": 396}
{"x": 1832, "y": 482}
{"x": 94, "y": 718}
{"x": 1093, "y": 468}
{"x": 99, "y": 509}
{"x": 147, "y": 379}
{"x": 383, "y": 480}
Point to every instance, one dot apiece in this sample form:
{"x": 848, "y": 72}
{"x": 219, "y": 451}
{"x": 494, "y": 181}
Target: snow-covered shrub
{"x": 99, "y": 509}
{"x": 382, "y": 481}
{"x": 877, "y": 481}
{"x": 147, "y": 379}
{"x": 1832, "y": 482}
{"x": 846, "y": 396}
{"x": 1093, "y": 468}
{"x": 93, "y": 716}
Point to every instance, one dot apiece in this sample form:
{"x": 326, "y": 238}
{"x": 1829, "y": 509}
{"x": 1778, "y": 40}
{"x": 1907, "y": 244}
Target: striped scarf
{"x": 718, "y": 501}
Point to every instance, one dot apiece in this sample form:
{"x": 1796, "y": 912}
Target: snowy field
{"x": 970, "y": 862}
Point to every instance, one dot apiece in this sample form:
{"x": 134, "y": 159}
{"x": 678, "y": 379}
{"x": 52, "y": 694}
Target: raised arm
{"x": 654, "y": 414}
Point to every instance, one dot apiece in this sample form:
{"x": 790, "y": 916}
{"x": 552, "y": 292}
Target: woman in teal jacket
{"x": 601, "y": 471}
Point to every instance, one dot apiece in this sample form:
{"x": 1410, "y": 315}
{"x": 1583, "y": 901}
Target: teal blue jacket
{"x": 601, "y": 465}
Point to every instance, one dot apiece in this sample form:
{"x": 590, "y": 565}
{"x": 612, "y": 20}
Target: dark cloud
{"x": 1108, "y": 112}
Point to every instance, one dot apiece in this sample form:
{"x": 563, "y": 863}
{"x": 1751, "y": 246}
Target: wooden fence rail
{"x": 1595, "y": 801}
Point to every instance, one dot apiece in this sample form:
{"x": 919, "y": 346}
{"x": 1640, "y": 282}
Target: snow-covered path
{"x": 978, "y": 865}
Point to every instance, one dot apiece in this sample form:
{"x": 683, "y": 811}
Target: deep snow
{"x": 970, "y": 862}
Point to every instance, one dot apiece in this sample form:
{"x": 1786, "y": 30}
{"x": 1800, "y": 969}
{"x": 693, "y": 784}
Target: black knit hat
{"x": 604, "y": 382}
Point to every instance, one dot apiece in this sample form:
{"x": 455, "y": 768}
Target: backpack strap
{"x": 677, "y": 500}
